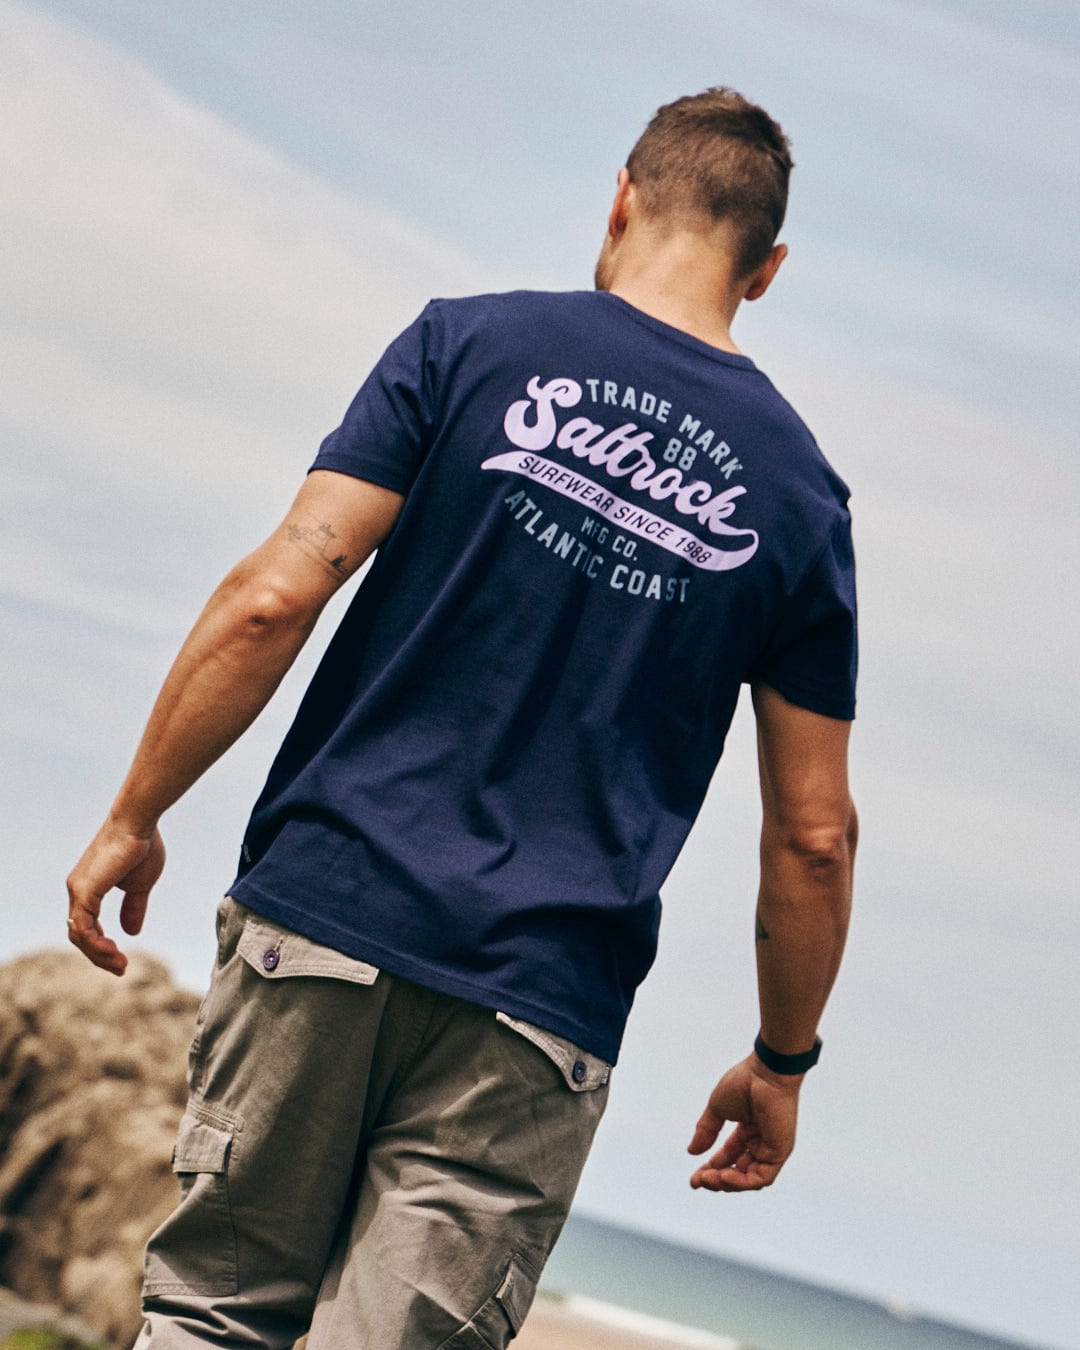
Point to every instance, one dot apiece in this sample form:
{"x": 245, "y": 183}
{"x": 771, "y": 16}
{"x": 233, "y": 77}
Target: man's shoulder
{"x": 508, "y": 302}
{"x": 496, "y": 325}
{"x": 521, "y": 295}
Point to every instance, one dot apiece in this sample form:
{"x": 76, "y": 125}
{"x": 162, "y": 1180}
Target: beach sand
{"x": 584, "y": 1324}
{"x": 557, "y": 1322}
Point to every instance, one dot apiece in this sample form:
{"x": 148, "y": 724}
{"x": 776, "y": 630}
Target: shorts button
{"x": 271, "y": 959}
{"x": 578, "y": 1072}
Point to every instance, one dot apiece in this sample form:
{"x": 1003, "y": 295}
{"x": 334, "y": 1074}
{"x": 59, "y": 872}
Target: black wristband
{"x": 788, "y": 1064}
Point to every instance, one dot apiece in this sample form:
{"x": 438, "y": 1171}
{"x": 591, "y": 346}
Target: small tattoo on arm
{"x": 761, "y": 933}
{"x": 318, "y": 542}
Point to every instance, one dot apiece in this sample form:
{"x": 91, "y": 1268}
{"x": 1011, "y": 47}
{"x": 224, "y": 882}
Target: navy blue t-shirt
{"x": 608, "y": 527}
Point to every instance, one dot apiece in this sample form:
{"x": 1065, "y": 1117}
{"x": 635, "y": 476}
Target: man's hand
{"x": 763, "y": 1106}
{"x": 116, "y": 857}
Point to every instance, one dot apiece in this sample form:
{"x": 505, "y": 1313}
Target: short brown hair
{"x": 716, "y": 156}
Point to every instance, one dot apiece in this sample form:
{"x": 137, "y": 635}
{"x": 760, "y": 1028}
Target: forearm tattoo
{"x": 761, "y": 933}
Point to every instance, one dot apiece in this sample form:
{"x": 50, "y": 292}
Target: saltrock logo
{"x": 532, "y": 425}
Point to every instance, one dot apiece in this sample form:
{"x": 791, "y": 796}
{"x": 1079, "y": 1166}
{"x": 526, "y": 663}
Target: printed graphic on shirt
{"x": 708, "y": 540}
{"x": 693, "y": 439}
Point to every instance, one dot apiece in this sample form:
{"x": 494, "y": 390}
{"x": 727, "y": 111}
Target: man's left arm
{"x": 808, "y": 837}
{"x": 246, "y": 638}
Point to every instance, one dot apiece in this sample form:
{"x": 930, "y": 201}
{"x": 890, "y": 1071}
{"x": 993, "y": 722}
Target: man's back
{"x": 509, "y": 739}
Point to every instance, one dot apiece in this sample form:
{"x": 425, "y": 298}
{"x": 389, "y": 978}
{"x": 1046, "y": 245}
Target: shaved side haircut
{"x": 713, "y": 157}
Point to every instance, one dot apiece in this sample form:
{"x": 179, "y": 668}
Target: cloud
{"x": 179, "y": 302}
{"x": 185, "y": 315}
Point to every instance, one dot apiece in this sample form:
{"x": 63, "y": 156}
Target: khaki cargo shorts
{"x": 387, "y": 1166}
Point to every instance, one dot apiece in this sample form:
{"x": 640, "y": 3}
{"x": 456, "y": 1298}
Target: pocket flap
{"x": 278, "y": 953}
{"x": 583, "y": 1072}
{"x": 200, "y": 1147}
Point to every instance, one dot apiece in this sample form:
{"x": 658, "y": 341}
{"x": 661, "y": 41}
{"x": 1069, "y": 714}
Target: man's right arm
{"x": 244, "y": 641}
{"x": 808, "y": 837}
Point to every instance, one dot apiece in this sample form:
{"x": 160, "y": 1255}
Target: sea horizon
{"x": 616, "y": 1274}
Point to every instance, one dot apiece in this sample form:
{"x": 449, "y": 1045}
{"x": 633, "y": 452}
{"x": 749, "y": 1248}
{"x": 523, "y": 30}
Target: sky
{"x": 213, "y": 218}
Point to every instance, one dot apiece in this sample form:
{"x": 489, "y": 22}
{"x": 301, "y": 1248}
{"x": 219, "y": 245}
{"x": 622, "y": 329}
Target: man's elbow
{"x": 263, "y": 606}
{"x": 823, "y": 845}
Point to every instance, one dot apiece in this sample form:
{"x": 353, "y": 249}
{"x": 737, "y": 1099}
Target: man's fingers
{"x": 133, "y": 911}
{"x": 705, "y": 1132}
{"x": 85, "y": 932}
{"x": 742, "y": 1163}
{"x": 732, "y": 1179}
{"x": 733, "y": 1152}
{"x": 736, "y": 1166}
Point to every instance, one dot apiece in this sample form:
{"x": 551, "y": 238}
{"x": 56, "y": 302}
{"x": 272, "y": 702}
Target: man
{"x": 595, "y": 519}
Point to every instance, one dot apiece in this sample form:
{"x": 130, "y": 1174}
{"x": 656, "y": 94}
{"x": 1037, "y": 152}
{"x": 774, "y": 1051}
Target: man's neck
{"x": 682, "y": 281}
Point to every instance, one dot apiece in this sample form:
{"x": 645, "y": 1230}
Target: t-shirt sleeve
{"x": 385, "y": 433}
{"x": 812, "y": 656}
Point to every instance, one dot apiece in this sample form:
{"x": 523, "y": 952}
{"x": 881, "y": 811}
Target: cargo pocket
{"x": 194, "y": 1250}
{"x": 499, "y": 1319}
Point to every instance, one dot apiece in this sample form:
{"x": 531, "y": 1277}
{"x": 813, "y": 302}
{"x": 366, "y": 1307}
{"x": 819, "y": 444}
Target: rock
{"x": 31, "y": 1326}
{"x": 92, "y": 1086}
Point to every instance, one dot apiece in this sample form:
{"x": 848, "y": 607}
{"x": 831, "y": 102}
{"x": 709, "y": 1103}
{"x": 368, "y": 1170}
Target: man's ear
{"x": 762, "y": 278}
{"x": 620, "y": 207}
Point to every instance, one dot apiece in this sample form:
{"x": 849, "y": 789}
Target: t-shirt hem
{"x": 427, "y": 974}
{"x": 813, "y": 700}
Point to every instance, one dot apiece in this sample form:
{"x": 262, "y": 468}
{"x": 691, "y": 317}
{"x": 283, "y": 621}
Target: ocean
{"x": 757, "y": 1308}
